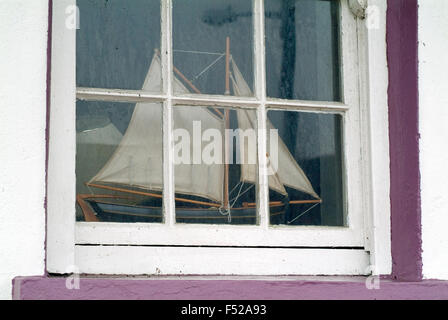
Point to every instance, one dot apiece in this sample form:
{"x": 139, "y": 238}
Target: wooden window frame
{"x": 107, "y": 248}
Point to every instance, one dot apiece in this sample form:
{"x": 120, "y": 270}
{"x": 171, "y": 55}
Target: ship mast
{"x": 226, "y": 126}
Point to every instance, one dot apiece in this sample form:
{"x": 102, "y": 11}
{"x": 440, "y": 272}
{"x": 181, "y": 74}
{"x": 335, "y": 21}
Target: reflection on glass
{"x": 306, "y": 168}
{"x": 116, "y": 43}
{"x": 118, "y": 167}
{"x": 215, "y": 176}
{"x": 302, "y": 49}
{"x": 200, "y": 32}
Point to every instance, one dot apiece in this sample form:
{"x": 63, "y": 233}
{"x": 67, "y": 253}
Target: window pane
{"x": 200, "y": 30}
{"x": 201, "y": 170}
{"x": 302, "y": 49}
{"x": 116, "y": 43}
{"x": 306, "y": 168}
{"x": 118, "y": 168}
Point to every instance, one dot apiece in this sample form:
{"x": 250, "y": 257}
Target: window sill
{"x": 225, "y": 288}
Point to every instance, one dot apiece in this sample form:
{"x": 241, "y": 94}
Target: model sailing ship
{"x": 133, "y": 174}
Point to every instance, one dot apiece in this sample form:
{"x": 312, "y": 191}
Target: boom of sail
{"x": 137, "y": 161}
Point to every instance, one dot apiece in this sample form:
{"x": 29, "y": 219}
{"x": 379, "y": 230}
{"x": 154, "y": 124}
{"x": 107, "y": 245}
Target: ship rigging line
{"x": 221, "y": 55}
{"x": 208, "y": 67}
{"x": 236, "y": 186}
{"x": 241, "y": 194}
{"x": 237, "y": 196}
{"x": 201, "y": 52}
{"x": 305, "y": 212}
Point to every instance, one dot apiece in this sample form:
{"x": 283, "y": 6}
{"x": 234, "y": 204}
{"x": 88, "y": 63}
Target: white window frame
{"x": 169, "y": 248}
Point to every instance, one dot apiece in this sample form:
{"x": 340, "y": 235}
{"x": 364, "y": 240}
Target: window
{"x": 222, "y": 130}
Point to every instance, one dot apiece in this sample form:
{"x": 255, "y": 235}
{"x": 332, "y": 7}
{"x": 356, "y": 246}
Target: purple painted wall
{"x": 127, "y": 289}
{"x": 402, "y": 53}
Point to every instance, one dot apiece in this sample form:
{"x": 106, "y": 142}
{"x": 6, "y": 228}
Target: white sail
{"x": 288, "y": 172}
{"x": 137, "y": 161}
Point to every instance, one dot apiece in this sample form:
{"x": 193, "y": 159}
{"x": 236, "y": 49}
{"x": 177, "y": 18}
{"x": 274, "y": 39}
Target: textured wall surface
{"x": 23, "y": 62}
{"x": 433, "y": 90}
{"x": 402, "y": 53}
{"x": 290, "y": 289}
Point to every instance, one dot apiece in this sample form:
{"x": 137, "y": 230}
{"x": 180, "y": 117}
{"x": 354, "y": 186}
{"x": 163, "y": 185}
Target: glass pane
{"x": 204, "y": 160}
{"x": 119, "y": 162}
{"x": 117, "y": 43}
{"x": 200, "y": 31}
{"x": 302, "y": 49}
{"x": 305, "y": 179}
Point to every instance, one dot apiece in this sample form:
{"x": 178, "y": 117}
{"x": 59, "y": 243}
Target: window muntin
{"x": 346, "y": 236}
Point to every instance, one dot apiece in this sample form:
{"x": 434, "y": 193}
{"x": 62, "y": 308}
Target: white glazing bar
{"x": 260, "y": 92}
{"x": 120, "y": 95}
{"x": 307, "y": 105}
{"x": 167, "y": 59}
{"x": 117, "y": 95}
{"x": 216, "y": 101}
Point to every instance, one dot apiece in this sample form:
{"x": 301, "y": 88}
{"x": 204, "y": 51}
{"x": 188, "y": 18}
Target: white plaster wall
{"x": 433, "y": 69}
{"x": 23, "y": 44}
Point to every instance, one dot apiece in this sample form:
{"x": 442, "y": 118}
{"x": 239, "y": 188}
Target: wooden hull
{"x": 110, "y": 212}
